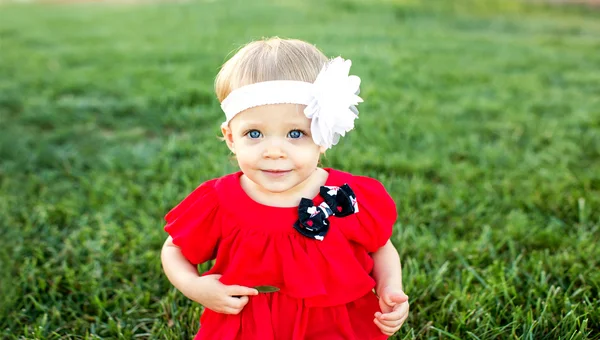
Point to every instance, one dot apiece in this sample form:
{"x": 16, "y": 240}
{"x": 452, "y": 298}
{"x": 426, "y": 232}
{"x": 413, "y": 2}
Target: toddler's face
{"x": 273, "y": 145}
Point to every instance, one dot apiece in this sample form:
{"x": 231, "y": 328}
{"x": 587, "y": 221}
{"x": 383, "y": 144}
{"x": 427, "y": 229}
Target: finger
{"x": 241, "y": 290}
{"x": 230, "y": 310}
{"x": 386, "y": 329}
{"x": 237, "y": 303}
{"x": 384, "y": 307}
{"x": 397, "y": 313}
{"x": 403, "y": 320}
{"x": 395, "y": 298}
{"x": 391, "y": 316}
{"x": 395, "y": 323}
{"x": 224, "y": 310}
{"x": 389, "y": 331}
{"x": 403, "y": 308}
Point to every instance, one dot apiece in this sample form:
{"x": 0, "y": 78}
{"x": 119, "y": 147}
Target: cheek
{"x": 245, "y": 156}
{"x": 245, "y": 164}
{"x": 307, "y": 157}
{"x": 249, "y": 155}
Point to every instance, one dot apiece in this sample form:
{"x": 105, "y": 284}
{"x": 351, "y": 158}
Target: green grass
{"x": 481, "y": 118}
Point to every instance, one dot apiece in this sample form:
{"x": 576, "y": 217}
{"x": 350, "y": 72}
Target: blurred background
{"x": 482, "y": 118}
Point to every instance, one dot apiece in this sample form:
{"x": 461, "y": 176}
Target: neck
{"x": 308, "y": 188}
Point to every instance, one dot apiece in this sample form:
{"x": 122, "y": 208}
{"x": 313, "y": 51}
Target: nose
{"x": 274, "y": 150}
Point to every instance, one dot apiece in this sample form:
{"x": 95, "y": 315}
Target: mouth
{"x": 276, "y": 172}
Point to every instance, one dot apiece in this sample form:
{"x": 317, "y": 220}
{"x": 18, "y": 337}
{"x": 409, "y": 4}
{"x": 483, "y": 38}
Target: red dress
{"x": 326, "y": 291}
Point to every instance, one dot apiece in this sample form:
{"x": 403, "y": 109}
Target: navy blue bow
{"x": 312, "y": 220}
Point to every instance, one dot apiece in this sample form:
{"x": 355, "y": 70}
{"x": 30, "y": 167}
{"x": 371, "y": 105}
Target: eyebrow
{"x": 257, "y": 124}
{"x": 249, "y": 125}
{"x": 251, "y": 122}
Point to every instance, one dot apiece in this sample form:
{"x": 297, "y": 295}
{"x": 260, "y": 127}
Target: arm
{"x": 179, "y": 271}
{"x": 387, "y": 272}
{"x": 206, "y": 290}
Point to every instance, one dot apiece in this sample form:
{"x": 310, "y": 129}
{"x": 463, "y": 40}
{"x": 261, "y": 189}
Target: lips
{"x": 277, "y": 171}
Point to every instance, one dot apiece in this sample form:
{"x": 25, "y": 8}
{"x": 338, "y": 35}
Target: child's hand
{"x": 212, "y": 294}
{"x": 394, "y": 310}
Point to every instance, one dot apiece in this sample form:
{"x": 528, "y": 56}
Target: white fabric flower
{"x": 332, "y": 108}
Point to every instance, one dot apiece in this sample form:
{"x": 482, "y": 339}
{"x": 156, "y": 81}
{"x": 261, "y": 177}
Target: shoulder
{"x": 204, "y": 197}
{"x": 370, "y": 193}
{"x": 195, "y": 224}
{"x": 376, "y": 212}
{"x": 365, "y": 187}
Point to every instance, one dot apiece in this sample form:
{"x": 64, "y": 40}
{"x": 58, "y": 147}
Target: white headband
{"x": 330, "y": 101}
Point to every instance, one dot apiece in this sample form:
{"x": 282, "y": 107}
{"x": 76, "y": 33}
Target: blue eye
{"x": 295, "y": 134}
{"x": 254, "y": 134}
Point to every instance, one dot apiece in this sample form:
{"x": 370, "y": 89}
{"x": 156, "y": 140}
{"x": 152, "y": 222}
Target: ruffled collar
{"x": 234, "y": 196}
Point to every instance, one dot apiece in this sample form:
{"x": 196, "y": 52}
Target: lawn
{"x": 483, "y": 121}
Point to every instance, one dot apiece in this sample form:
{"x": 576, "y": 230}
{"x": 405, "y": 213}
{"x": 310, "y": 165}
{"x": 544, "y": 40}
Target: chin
{"x": 277, "y": 188}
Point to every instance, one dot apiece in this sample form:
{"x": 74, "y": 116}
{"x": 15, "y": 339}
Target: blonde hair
{"x": 269, "y": 59}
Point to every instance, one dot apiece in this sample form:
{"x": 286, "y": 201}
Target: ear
{"x": 228, "y": 136}
{"x": 322, "y": 149}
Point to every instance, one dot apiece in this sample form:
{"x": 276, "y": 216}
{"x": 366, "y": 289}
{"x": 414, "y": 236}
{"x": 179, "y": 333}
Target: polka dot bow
{"x": 313, "y": 220}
